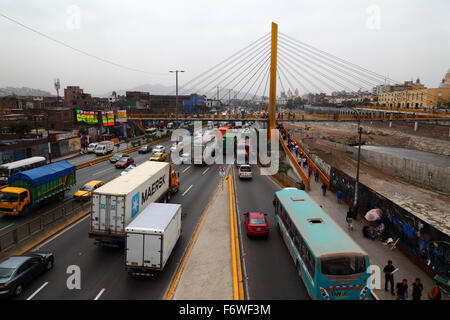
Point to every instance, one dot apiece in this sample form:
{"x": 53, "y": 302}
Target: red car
{"x": 124, "y": 162}
{"x": 256, "y": 224}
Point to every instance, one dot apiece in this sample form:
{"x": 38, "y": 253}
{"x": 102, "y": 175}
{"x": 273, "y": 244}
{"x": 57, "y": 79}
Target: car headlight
{"x": 15, "y": 209}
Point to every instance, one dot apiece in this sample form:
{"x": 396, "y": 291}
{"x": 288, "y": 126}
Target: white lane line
{"x": 205, "y": 171}
{"x": 9, "y": 225}
{"x": 187, "y": 190}
{"x": 61, "y": 233}
{"x": 99, "y": 172}
{"x": 186, "y": 169}
{"x": 37, "y": 291}
{"x": 99, "y": 294}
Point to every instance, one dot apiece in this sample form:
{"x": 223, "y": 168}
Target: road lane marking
{"x": 205, "y": 171}
{"x": 37, "y": 291}
{"x": 186, "y": 169}
{"x": 187, "y": 190}
{"x": 97, "y": 173}
{"x": 9, "y": 225}
{"x": 60, "y": 233}
{"x": 99, "y": 294}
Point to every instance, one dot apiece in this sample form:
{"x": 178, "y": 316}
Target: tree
{"x": 20, "y": 128}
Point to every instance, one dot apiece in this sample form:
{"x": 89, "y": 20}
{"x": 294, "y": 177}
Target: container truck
{"x": 104, "y": 148}
{"x": 151, "y": 237}
{"x": 119, "y": 201}
{"x": 29, "y": 188}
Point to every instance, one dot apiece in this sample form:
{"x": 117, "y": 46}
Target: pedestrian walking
{"x": 389, "y": 276}
{"x": 416, "y": 289}
{"x": 402, "y": 290}
{"x": 349, "y": 218}
{"x": 316, "y": 176}
{"x": 324, "y": 188}
{"x": 435, "y": 294}
{"x": 310, "y": 172}
{"x": 339, "y": 196}
{"x": 304, "y": 161}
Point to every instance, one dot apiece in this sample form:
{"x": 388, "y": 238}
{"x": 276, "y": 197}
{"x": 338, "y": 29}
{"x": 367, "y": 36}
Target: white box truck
{"x": 91, "y": 147}
{"x": 104, "y": 148}
{"x": 151, "y": 237}
{"x": 119, "y": 201}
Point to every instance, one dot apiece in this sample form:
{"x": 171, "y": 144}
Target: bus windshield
{"x": 344, "y": 265}
{"x": 8, "y": 197}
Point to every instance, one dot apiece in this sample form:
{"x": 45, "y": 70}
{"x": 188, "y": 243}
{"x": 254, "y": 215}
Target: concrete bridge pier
{"x": 416, "y": 125}
{"x": 390, "y": 124}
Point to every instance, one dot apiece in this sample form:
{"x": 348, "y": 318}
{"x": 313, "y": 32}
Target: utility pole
{"x": 176, "y": 97}
{"x": 48, "y": 142}
{"x": 356, "y": 201}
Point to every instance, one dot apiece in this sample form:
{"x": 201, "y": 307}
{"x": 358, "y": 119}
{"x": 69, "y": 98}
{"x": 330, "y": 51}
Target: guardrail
{"x": 104, "y": 158}
{"x": 322, "y": 176}
{"x": 295, "y": 163}
{"x": 38, "y": 224}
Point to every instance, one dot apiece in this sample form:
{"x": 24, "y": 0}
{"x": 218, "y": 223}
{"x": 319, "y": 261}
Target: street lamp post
{"x": 356, "y": 200}
{"x": 176, "y": 97}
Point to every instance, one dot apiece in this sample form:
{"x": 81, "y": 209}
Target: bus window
{"x": 339, "y": 266}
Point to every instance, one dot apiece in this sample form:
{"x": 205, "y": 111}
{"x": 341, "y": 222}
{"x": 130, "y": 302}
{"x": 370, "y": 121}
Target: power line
{"x": 78, "y": 50}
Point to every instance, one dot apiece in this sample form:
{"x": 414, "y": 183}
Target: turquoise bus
{"x": 330, "y": 263}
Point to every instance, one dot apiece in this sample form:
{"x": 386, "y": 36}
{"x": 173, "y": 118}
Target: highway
{"x": 271, "y": 273}
{"x": 267, "y": 264}
{"x": 104, "y": 171}
{"x": 102, "y": 269}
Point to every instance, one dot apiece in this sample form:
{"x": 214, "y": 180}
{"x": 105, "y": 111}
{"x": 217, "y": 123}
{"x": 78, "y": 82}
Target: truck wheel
{"x": 18, "y": 290}
{"x": 26, "y": 210}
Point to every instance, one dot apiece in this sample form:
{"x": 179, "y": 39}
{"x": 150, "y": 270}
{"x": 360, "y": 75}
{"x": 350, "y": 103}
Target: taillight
{"x": 324, "y": 294}
{"x": 363, "y": 292}
{"x": 8, "y": 284}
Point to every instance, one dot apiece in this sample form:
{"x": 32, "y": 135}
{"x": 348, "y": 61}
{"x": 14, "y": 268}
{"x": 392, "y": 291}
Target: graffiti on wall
{"x": 423, "y": 240}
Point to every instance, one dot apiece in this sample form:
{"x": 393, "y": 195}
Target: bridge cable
{"x": 302, "y": 75}
{"x": 306, "y": 71}
{"x": 251, "y": 57}
{"x": 235, "y": 56}
{"x": 317, "y": 71}
{"x": 333, "y": 67}
{"x": 339, "y": 59}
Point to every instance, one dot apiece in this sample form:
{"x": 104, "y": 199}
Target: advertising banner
{"x": 89, "y": 117}
{"x": 107, "y": 118}
{"x": 121, "y": 116}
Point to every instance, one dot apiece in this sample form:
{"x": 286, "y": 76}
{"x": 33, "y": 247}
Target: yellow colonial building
{"x": 428, "y": 98}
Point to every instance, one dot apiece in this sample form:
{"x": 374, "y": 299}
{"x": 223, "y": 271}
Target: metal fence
{"x": 38, "y": 224}
{"x": 425, "y": 244}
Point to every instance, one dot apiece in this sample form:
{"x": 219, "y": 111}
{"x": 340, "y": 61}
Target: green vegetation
{"x": 20, "y": 128}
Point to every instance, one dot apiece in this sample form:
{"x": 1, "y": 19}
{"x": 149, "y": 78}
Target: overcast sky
{"x": 410, "y": 39}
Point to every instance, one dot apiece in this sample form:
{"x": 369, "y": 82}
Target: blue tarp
{"x": 38, "y": 176}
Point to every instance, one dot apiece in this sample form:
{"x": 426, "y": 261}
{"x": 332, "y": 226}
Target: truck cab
{"x": 14, "y": 200}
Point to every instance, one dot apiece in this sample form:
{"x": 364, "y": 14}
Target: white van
{"x": 104, "y": 148}
{"x": 91, "y": 147}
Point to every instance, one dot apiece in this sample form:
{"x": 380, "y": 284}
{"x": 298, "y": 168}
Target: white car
{"x": 245, "y": 172}
{"x": 130, "y": 167}
{"x": 159, "y": 148}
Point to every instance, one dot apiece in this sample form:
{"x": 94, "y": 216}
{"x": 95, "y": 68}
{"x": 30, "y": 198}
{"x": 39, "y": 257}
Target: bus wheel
{"x": 26, "y": 210}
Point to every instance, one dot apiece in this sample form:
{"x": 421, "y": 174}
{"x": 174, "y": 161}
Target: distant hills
{"x": 152, "y": 88}
{"x": 24, "y": 91}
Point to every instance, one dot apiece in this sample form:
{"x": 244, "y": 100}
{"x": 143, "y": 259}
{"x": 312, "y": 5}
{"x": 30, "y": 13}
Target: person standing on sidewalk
{"x": 349, "y": 218}
{"x": 435, "y": 294}
{"x": 316, "y": 176}
{"x": 339, "y": 196}
{"x": 310, "y": 172}
{"x": 402, "y": 290}
{"x": 324, "y": 189}
{"x": 416, "y": 288}
{"x": 389, "y": 276}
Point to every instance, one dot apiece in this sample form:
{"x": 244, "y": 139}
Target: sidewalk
{"x": 379, "y": 254}
{"x": 207, "y": 274}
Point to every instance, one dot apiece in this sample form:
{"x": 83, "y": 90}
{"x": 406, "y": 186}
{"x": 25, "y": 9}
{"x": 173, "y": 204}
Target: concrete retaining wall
{"x": 412, "y": 170}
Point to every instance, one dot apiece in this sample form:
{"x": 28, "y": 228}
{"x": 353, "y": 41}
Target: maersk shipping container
{"x": 151, "y": 237}
{"x": 119, "y": 201}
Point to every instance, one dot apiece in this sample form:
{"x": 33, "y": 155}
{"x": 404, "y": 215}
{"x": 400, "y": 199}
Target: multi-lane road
{"x": 268, "y": 267}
